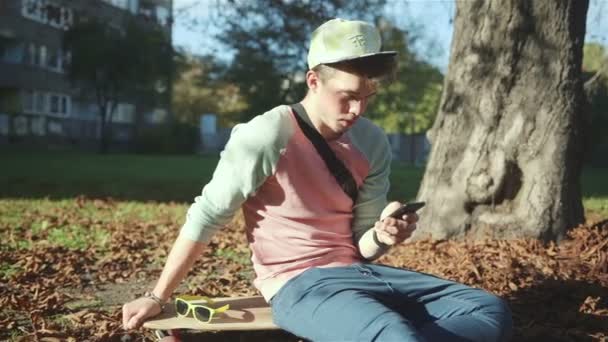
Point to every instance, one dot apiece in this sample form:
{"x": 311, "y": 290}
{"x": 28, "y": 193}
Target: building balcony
{"x": 30, "y": 77}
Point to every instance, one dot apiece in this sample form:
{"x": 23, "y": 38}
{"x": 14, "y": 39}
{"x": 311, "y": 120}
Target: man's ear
{"x": 312, "y": 80}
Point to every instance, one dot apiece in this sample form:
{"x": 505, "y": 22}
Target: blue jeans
{"x": 368, "y": 302}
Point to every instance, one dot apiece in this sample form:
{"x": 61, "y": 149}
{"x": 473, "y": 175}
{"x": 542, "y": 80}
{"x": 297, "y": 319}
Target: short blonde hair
{"x": 380, "y": 69}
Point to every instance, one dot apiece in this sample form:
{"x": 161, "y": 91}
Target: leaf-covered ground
{"x": 67, "y": 266}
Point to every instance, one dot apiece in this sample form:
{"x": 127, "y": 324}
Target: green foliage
{"x": 594, "y": 57}
{"x": 198, "y": 90}
{"x": 115, "y": 63}
{"x": 409, "y": 103}
{"x": 269, "y": 40}
{"x": 110, "y": 64}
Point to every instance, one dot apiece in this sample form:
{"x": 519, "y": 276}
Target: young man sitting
{"x": 312, "y": 239}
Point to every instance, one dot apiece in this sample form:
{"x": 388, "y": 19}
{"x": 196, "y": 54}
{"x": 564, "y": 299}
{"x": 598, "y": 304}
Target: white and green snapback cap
{"x": 339, "y": 40}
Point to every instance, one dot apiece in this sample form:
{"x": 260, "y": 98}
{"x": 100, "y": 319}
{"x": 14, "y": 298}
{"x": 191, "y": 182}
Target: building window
{"x": 42, "y": 58}
{"x": 124, "y": 113}
{"x": 34, "y": 102}
{"x": 31, "y": 54}
{"x": 57, "y": 60}
{"x": 34, "y": 9}
{"x": 59, "y": 105}
{"x": 48, "y": 12}
{"x": 64, "y": 106}
{"x": 124, "y": 4}
{"x": 158, "y": 115}
{"x": 54, "y": 104}
{"x": 12, "y": 52}
{"x": 40, "y": 104}
{"x": 27, "y": 101}
{"x": 54, "y": 60}
{"x": 66, "y": 60}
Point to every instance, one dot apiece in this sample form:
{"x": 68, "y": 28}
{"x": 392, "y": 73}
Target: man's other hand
{"x": 136, "y": 312}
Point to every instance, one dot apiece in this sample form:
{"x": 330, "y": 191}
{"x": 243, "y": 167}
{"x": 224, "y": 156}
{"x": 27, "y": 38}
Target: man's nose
{"x": 356, "y": 107}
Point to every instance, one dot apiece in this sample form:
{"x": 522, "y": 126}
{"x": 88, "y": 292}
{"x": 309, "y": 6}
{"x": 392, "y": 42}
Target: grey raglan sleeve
{"x": 372, "y": 194}
{"x": 250, "y": 156}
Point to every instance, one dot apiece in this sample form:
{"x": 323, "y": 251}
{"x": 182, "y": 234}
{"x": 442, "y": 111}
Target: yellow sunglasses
{"x": 202, "y": 313}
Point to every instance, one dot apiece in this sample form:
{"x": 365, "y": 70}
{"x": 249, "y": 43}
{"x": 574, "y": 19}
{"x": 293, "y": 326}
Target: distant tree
{"x": 199, "y": 89}
{"x": 407, "y": 104}
{"x": 269, "y": 40}
{"x": 110, "y": 64}
{"x": 507, "y": 143}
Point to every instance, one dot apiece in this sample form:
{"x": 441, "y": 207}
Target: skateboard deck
{"x": 245, "y": 313}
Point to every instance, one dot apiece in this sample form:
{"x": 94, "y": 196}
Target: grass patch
{"x": 61, "y": 322}
{"x": 135, "y": 177}
{"x": 78, "y": 238}
{"x": 597, "y": 205}
{"x": 163, "y": 178}
{"x": 81, "y": 304}
{"x": 7, "y": 270}
{"x": 63, "y": 223}
{"x": 71, "y": 237}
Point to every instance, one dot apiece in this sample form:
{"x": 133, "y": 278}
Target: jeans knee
{"x": 497, "y": 311}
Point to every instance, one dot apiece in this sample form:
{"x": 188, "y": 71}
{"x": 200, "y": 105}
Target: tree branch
{"x": 593, "y": 84}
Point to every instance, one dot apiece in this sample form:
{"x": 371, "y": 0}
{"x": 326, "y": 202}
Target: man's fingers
{"x": 126, "y": 316}
{"x": 388, "y": 239}
{"x": 390, "y": 221}
{"x": 392, "y": 231}
{"x": 136, "y": 320}
{"x": 392, "y": 226}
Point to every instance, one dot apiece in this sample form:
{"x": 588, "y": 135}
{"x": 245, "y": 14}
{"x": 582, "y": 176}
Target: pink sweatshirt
{"x": 296, "y": 214}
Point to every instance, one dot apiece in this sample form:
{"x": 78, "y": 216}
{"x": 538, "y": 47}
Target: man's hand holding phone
{"x": 397, "y": 222}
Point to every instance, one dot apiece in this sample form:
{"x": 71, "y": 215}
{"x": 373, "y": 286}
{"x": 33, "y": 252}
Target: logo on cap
{"x": 358, "y": 40}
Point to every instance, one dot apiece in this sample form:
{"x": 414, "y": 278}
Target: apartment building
{"x": 37, "y": 100}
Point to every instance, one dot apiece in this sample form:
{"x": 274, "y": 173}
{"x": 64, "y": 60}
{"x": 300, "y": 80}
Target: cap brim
{"x": 365, "y": 56}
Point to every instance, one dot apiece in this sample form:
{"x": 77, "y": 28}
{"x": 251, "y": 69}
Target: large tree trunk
{"x": 507, "y": 143}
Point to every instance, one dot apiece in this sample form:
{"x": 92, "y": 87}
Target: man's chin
{"x": 338, "y": 132}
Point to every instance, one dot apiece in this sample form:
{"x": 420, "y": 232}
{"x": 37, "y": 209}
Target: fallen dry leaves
{"x": 556, "y": 292}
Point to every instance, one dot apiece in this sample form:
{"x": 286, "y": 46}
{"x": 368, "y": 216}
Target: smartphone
{"x": 407, "y": 208}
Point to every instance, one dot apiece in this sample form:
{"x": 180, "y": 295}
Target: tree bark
{"x": 507, "y": 143}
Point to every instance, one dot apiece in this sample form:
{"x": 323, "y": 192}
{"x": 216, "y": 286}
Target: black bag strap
{"x": 336, "y": 166}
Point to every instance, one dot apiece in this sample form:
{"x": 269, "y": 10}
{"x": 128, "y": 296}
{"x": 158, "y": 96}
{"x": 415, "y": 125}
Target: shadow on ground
{"x": 560, "y": 310}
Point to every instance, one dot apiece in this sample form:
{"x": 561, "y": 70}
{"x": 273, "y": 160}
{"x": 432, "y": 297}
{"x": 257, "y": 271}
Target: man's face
{"x": 342, "y": 99}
